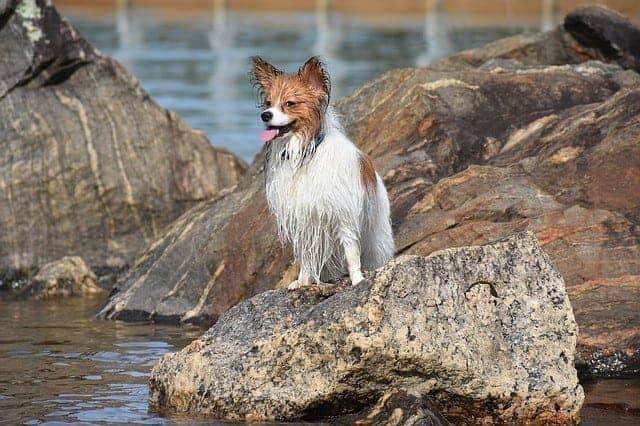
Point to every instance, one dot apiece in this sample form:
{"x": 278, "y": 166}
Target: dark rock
{"x": 608, "y": 31}
{"x": 211, "y": 258}
{"x": 588, "y": 33}
{"x": 66, "y": 277}
{"x": 90, "y": 165}
{"x": 556, "y": 47}
{"x": 487, "y": 332}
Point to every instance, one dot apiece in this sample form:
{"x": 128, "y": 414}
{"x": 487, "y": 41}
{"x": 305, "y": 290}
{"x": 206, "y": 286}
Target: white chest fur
{"x": 321, "y": 206}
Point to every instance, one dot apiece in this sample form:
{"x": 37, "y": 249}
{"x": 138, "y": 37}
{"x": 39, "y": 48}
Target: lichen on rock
{"x": 30, "y": 12}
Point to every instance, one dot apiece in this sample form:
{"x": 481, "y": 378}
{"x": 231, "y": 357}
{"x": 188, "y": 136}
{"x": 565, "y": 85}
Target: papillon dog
{"x": 328, "y": 200}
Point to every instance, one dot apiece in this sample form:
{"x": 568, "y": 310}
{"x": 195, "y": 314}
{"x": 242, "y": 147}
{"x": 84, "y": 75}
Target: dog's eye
{"x": 290, "y": 104}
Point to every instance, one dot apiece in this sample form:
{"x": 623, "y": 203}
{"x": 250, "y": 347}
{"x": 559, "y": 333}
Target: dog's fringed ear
{"x": 263, "y": 73}
{"x": 314, "y": 73}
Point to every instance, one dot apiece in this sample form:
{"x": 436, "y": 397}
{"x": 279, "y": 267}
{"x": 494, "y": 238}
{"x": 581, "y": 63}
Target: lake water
{"x": 58, "y": 365}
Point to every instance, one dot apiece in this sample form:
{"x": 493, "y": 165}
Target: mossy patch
{"x": 29, "y": 11}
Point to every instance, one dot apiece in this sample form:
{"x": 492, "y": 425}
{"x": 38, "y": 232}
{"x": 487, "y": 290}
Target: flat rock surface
{"x": 486, "y": 332}
{"x": 469, "y": 156}
{"x": 90, "y": 164}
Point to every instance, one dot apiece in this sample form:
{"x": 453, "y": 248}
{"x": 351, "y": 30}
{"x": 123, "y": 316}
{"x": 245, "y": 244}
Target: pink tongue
{"x": 268, "y": 135}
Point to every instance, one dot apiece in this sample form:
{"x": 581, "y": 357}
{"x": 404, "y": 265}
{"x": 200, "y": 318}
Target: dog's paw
{"x": 362, "y": 281}
{"x": 297, "y": 284}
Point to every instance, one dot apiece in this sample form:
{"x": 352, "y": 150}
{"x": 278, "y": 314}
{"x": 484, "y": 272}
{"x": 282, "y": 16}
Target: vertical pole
{"x": 219, "y": 5}
{"x": 222, "y": 85}
{"x": 323, "y": 33}
{"x": 436, "y": 37}
{"x": 548, "y": 15}
{"x": 126, "y": 34}
{"x": 218, "y": 35}
{"x": 323, "y": 6}
{"x": 328, "y": 37}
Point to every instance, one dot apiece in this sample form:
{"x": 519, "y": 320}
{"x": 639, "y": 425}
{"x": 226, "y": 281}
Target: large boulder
{"x": 211, "y": 258}
{"x": 588, "y": 33}
{"x": 573, "y": 179}
{"x": 90, "y": 165}
{"x": 608, "y": 32}
{"x": 468, "y": 156}
{"x": 486, "y": 332}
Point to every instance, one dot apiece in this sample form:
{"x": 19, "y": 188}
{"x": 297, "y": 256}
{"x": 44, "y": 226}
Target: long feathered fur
{"x": 319, "y": 199}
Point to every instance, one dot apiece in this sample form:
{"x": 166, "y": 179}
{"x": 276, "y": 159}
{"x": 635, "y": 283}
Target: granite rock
{"x": 485, "y": 332}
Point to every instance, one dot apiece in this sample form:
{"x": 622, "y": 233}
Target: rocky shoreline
{"x": 534, "y": 132}
{"x": 531, "y": 143}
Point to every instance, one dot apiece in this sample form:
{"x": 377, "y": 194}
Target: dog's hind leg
{"x": 351, "y": 246}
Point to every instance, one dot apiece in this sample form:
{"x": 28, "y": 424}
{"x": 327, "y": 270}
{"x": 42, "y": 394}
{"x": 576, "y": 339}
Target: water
{"x": 612, "y": 402}
{"x": 198, "y": 65}
{"x": 59, "y": 365}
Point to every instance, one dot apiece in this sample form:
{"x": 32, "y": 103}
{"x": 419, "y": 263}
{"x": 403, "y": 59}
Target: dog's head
{"x": 292, "y": 103}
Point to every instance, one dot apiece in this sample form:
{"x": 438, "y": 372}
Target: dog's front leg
{"x": 304, "y": 279}
{"x": 351, "y": 246}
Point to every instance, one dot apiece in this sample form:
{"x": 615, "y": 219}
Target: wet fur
{"x": 330, "y": 204}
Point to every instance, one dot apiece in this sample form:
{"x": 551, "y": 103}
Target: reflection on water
{"x": 612, "y": 402}
{"x": 56, "y": 364}
{"x": 197, "y": 65}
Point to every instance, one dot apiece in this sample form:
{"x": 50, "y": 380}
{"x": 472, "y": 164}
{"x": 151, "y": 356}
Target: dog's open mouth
{"x": 273, "y": 132}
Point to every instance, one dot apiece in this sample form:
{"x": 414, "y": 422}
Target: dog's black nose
{"x": 266, "y": 116}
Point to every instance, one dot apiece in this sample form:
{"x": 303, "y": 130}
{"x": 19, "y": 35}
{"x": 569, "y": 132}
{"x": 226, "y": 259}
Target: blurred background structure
{"x": 192, "y": 55}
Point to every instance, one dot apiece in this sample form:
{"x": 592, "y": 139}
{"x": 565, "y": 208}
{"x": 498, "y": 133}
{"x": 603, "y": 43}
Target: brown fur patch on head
{"x": 368, "y": 173}
{"x": 303, "y": 96}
